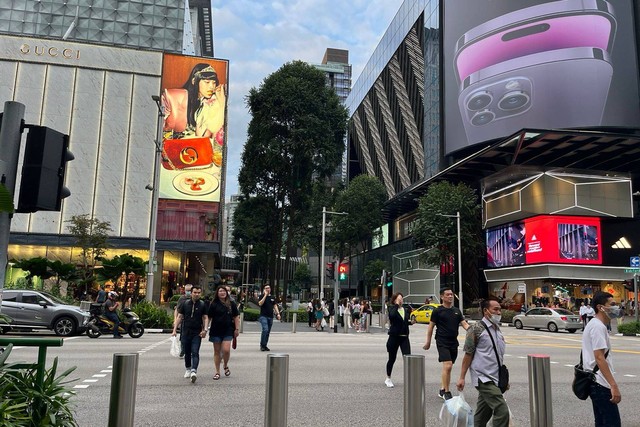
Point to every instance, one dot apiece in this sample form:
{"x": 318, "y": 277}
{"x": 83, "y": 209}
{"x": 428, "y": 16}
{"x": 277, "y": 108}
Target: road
{"x": 334, "y": 379}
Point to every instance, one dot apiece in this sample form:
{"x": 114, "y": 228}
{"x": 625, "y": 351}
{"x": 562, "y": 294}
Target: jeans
{"x": 116, "y": 321}
{"x": 191, "y": 346}
{"x": 266, "y": 323}
{"x": 606, "y": 414}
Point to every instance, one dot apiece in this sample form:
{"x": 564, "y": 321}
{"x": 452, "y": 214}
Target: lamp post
{"x": 322, "y": 274}
{"x": 154, "y": 199}
{"x": 248, "y": 255}
{"x": 457, "y": 217}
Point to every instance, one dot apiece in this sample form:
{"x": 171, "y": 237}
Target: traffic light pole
{"x": 10, "y": 136}
{"x": 154, "y": 201}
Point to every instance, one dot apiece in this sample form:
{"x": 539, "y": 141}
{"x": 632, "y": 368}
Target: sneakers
{"x": 264, "y": 349}
{"x": 193, "y": 377}
{"x": 187, "y": 373}
{"x": 388, "y": 383}
{"x": 447, "y": 395}
{"x": 441, "y": 394}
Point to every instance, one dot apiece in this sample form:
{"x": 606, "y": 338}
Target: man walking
{"x": 446, "y": 319}
{"x": 186, "y": 296}
{"x": 192, "y": 315}
{"x": 480, "y": 357}
{"x": 111, "y": 313}
{"x": 596, "y": 351}
{"x": 267, "y": 305}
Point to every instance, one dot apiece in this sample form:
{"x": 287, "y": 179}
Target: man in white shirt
{"x": 583, "y": 314}
{"x": 596, "y": 350}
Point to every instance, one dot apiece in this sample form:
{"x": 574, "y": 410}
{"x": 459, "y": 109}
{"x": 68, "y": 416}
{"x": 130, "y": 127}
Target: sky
{"x": 258, "y": 37}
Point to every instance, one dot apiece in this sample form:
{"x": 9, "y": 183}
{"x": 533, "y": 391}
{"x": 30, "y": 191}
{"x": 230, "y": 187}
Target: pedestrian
{"x": 318, "y": 312}
{"x": 347, "y": 312}
{"x": 596, "y": 351}
{"x": 223, "y": 328}
{"x": 355, "y": 313}
{"x": 268, "y": 306}
{"x": 398, "y": 333}
{"x": 365, "y": 313}
{"x": 102, "y": 296}
{"x": 111, "y": 312}
{"x": 193, "y": 317}
{"x": 181, "y": 301}
{"x": 583, "y": 314}
{"x": 590, "y": 312}
{"x": 310, "y": 313}
{"x": 446, "y": 319}
{"x": 480, "y": 357}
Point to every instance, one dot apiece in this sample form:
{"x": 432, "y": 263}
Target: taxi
{"x": 423, "y": 313}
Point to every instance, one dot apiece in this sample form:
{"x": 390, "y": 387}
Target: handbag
{"x": 503, "y": 372}
{"x": 325, "y": 311}
{"x": 582, "y": 379}
{"x": 185, "y": 153}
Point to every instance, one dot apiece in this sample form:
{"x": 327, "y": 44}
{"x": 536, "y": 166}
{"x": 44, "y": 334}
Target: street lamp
{"x": 248, "y": 255}
{"x": 335, "y": 284}
{"x": 154, "y": 199}
{"x": 457, "y": 217}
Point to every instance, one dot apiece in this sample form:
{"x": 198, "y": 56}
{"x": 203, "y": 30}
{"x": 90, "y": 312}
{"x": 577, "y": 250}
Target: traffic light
{"x": 331, "y": 270}
{"x": 45, "y": 160}
{"x": 389, "y": 279}
{"x": 343, "y": 272}
{"x": 628, "y": 284}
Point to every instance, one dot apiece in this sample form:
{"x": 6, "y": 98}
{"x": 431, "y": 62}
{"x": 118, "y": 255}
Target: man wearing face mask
{"x": 480, "y": 357}
{"x": 181, "y": 300}
{"x": 596, "y": 351}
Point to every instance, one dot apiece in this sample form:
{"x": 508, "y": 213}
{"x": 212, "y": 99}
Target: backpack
{"x": 356, "y": 309}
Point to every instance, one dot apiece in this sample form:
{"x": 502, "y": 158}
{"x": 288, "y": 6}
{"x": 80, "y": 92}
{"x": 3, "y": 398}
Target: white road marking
{"x": 81, "y": 386}
{"x": 100, "y": 375}
{"x": 569, "y": 366}
{"x": 106, "y": 370}
{"x": 90, "y": 381}
{"x": 552, "y": 362}
{"x": 630, "y": 376}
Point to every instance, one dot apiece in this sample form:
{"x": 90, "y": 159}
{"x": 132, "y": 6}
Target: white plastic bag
{"x": 323, "y": 323}
{"x": 175, "y": 347}
{"x": 456, "y": 412}
{"x": 511, "y": 422}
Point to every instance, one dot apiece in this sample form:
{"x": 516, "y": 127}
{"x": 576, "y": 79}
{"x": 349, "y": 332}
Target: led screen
{"x": 545, "y": 239}
{"x": 510, "y": 65}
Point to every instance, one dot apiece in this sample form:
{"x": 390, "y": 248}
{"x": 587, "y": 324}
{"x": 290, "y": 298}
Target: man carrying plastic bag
{"x": 456, "y": 412}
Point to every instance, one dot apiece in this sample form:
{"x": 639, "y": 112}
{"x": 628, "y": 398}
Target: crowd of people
{"x": 354, "y": 313}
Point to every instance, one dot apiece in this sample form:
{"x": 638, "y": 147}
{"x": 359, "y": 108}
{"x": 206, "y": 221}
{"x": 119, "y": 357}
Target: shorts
{"x": 215, "y": 339}
{"x": 447, "y": 353}
{"x": 355, "y": 316}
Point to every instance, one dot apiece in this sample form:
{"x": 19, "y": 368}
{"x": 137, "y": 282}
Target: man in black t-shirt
{"x": 447, "y": 320}
{"x": 181, "y": 300}
{"x": 193, "y": 317}
{"x": 267, "y": 305}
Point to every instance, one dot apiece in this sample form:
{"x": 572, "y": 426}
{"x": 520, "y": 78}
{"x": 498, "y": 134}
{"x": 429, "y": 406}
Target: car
{"x": 552, "y": 319}
{"x": 29, "y": 309}
{"x": 5, "y": 323}
{"x": 410, "y": 307}
{"x": 422, "y": 314}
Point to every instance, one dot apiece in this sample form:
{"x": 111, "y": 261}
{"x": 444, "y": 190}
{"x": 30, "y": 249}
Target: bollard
{"x": 293, "y": 323}
{"x": 124, "y": 379}
{"x": 540, "y": 402}
{"x": 414, "y": 394}
{"x": 241, "y": 322}
{"x": 345, "y": 324}
{"x": 277, "y": 390}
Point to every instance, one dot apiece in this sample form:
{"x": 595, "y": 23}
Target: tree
{"x": 113, "y": 269}
{"x": 373, "y": 272}
{"x": 92, "y": 237}
{"x": 295, "y": 138}
{"x": 302, "y": 276}
{"x": 35, "y": 267}
{"x": 439, "y": 233}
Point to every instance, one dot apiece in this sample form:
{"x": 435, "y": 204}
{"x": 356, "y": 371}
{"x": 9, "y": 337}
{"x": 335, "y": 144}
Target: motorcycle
{"x": 99, "y": 324}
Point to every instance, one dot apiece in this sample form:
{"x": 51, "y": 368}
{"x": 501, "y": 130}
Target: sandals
{"x": 227, "y": 372}
{"x": 216, "y": 377}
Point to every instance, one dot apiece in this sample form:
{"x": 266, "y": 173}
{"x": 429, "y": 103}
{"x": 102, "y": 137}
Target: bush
{"x": 174, "y": 301}
{"x": 153, "y": 315}
{"x": 303, "y": 316}
{"x": 507, "y": 316}
{"x": 629, "y": 328}
{"x": 251, "y": 314}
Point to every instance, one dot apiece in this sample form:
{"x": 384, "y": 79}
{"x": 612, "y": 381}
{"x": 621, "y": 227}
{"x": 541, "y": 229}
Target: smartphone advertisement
{"x": 510, "y": 65}
{"x": 545, "y": 239}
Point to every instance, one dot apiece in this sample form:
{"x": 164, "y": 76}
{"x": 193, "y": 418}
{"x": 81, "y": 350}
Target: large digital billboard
{"x": 545, "y": 239}
{"x": 510, "y": 65}
{"x": 194, "y": 97}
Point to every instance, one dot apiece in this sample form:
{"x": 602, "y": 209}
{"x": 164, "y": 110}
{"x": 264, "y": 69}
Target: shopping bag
{"x": 456, "y": 412}
{"x": 511, "y": 422}
{"x": 323, "y": 323}
{"x": 175, "y": 347}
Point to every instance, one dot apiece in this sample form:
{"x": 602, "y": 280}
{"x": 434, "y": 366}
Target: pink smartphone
{"x": 549, "y": 26}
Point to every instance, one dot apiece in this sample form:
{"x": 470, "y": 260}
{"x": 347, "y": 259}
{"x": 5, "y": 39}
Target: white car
{"x": 552, "y": 319}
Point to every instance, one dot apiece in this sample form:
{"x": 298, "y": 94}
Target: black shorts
{"x": 447, "y": 353}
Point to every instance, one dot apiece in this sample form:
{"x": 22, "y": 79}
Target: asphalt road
{"x": 334, "y": 379}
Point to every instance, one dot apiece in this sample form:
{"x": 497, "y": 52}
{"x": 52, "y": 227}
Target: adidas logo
{"x": 622, "y": 243}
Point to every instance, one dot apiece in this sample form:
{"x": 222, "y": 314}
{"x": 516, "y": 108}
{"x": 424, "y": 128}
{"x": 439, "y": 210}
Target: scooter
{"x": 99, "y": 324}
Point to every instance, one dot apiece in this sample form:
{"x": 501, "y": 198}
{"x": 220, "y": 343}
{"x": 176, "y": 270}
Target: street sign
{"x": 634, "y": 261}
{"x": 522, "y": 288}
{"x": 632, "y": 270}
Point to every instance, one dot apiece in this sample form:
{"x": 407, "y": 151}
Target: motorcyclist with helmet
{"x": 111, "y": 305}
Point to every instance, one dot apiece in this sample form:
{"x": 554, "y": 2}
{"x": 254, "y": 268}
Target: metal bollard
{"x": 293, "y": 323}
{"x": 345, "y": 324}
{"x": 241, "y": 322}
{"x": 124, "y": 379}
{"x": 540, "y": 401}
{"x": 277, "y": 390}
{"x": 414, "y": 393}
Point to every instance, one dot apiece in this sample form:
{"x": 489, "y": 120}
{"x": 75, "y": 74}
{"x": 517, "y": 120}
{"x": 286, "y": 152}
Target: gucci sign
{"x": 50, "y": 51}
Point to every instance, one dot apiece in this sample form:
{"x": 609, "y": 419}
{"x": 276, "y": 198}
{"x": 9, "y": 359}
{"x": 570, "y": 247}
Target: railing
{"x": 41, "y": 343}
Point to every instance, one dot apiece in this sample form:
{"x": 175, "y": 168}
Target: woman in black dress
{"x": 398, "y": 333}
{"x": 224, "y": 327}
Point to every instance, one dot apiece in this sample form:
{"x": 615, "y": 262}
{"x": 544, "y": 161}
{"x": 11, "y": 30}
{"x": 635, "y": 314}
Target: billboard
{"x": 510, "y": 65}
{"x": 545, "y": 239}
{"x": 194, "y": 95}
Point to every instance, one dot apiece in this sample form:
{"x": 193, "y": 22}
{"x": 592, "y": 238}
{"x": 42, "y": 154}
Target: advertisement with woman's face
{"x": 510, "y": 65}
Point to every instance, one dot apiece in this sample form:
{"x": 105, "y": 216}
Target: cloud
{"x": 258, "y": 37}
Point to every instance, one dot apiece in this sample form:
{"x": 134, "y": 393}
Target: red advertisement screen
{"x": 545, "y": 239}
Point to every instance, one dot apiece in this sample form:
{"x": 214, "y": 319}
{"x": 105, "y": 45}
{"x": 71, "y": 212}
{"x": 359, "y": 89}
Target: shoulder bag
{"x": 582, "y": 379}
{"x": 503, "y": 372}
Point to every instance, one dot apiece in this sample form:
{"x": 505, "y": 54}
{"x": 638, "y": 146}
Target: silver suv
{"x": 36, "y": 309}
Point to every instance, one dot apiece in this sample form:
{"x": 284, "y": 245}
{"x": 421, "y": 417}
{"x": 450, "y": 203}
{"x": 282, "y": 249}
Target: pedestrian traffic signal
{"x": 343, "y": 272}
{"x": 331, "y": 270}
{"x": 628, "y": 284}
{"x": 45, "y": 160}
{"x": 389, "y": 279}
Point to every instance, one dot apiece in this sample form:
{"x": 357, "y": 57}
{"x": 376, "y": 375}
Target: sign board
{"x": 522, "y": 289}
{"x": 634, "y": 261}
{"x": 632, "y": 270}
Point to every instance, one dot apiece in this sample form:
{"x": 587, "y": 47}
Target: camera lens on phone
{"x": 513, "y": 100}
{"x": 482, "y": 118}
{"x": 479, "y": 101}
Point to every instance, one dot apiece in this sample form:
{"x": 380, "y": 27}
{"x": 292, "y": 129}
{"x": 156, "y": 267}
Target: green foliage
{"x": 153, "y": 315}
{"x": 629, "y": 328}
{"x": 373, "y": 272}
{"x": 27, "y": 403}
{"x": 6, "y": 199}
{"x": 125, "y": 263}
{"x": 302, "y": 276}
{"x": 174, "y": 301}
{"x": 35, "y": 267}
{"x": 507, "y": 316}
{"x": 251, "y": 314}
{"x": 91, "y": 236}
{"x": 303, "y": 316}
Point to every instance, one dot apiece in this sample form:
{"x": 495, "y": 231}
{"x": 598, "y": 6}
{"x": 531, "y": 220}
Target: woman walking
{"x": 224, "y": 327}
{"x": 398, "y": 333}
{"x": 317, "y": 309}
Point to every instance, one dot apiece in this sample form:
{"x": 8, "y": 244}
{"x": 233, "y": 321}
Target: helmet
{"x": 113, "y": 294}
